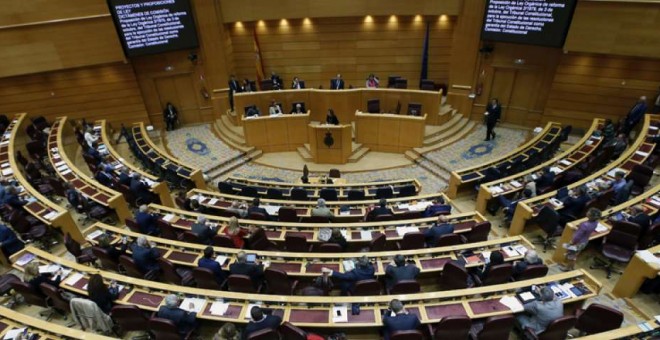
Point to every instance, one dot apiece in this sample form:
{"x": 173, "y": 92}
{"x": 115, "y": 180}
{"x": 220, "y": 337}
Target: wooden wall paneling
{"x": 342, "y": 102}
{"x": 586, "y": 86}
{"x": 317, "y": 49}
{"x": 614, "y": 28}
{"x": 25, "y": 12}
{"x": 252, "y": 10}
{"x": 213, "y": 56}
{"x": 100, "y": 92}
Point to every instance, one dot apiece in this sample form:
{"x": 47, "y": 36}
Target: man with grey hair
{"x": 184, "y": 321}
{"x": 539, "y": 314}
{"x": 203, "y": 231}
{"x": 236, "y": 208}
{"x": 362, "y": 271}
{"x": 146, "y": 221}
{"x": 141, "y": 190}
{"x": 396, "y": 318}
{"x": 241, "y": 267}
{"x": 531, "y": 258}
{"x": 145, "y": 256}
{"x": 322, "y": 210}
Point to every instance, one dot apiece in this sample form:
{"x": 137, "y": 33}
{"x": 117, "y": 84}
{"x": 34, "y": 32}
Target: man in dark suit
{"x": 363, "y": 271}
{"x": 546, "y": 179}
{"x": 276, "y": 81}
{"x": 639, "y": 217}
{"x": 140, "y": 189}
{"x": 573, "y": 205}
{"x": 438, "y": 207}
{"x": 209, "y": 263}
{"x": 400, "y": 271}
{"x": 258, "y": 240}
{"x": 296, "y": 84}
{"x": 241, "y": 267}
{"x": 145, "y": 256}
{"x": 635, "y": 115}
{"x": 260, "y": 321}
{"x": 184, "y": 321}
{"x": 255, "y": 208}
{"x": 104, "y": 175}
{"x": 234, "y": 87}
{"x": 146, "y": 221}
{"x": 439, "y": 228}
{"x": 124, "y": 177}
{"x": 94, "y": 152}
{"x": 203, "y": 231}
{"x": 12, "y": 199}
{"x": 337, "y": 83}
{"x": 493, "y": 113}
{"x": 382, "y": 209}
{"x": 396, "y": 318}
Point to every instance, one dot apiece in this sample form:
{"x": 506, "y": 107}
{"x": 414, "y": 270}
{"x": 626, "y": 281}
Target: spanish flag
{"x": 257, "y": 59}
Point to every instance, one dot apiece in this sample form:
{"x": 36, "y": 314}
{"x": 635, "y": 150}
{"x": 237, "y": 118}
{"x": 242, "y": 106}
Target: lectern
{"x": 330, "y": 143}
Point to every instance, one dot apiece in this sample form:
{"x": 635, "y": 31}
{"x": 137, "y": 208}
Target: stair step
{"x": 356, "y": 147}
{"x": 227, "y": 131}
{"x": 412, "y": 155}
{"x": 457, "y": 127}
{"x": 450, "y": 140}
{"x": 229, "y": 139}
{"x": 303, "y": 151}
{"x": 237, "y": 130}
{"x": 433, "y": 131}
{"x": 357, "y": 155}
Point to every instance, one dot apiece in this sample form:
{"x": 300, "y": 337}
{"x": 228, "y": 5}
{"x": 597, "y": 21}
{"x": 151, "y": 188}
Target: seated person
{"x": 234, "y": 230}
{"x": 510, "y": 205}
{"x": 297, "y": 84}
{"x": 573, "y": 205}
{"x": 9, "y": 243}
{"x": 438, "y": 207}
{"x": 298, "y": 109}
{"x": 12, "y": 199}
{"x": 147, "y": 221}
{"x": 193, "y": 205}
{"x": 620, "y": 143}
{"x": 255, "y": 208}
{"x": 241, "y": 267}
{"x": 125, "y": 177}
{"x": 104, "y": 175}
{"x": 439, "y": 228}
{"x": 246, "y": 86}
{"x": 94, "y": 153}
{"x": 228, "y": 331}
{"x": 73, "y": 196}
{"x": 396, "y": 318}
{"x": 184, "y": 321}
{"x": 382, "y": 209}
{"x": 322, "y": 210}
{"x": 619, "y": 181}
{"x": 258, "y": 240}
{"x": 238, "y": 208}
{"x": 372, "y": 81}
{"x": 203, "y": 230}
{"x": 252, "y": 111}
{"x": 145, "y": 255}
{"x": 32, "y": 277}
{"x": 112, "y": 251}
{"x": 260, "y": 320}
{"x": 209, "y": 262}
{"x": 539, "y": 314}
{"x": 529, "y": 183}
{"x": 400, "y": 271}
{"x": 331, "y": 118}
{"x": 141, "y": 191}
{"x": 276, "y": 81}
{"x": 363, "y": 271}
{"x": 102, "y": 295}
{"x": 546, "y": 178}
{"x": 274, "y": 109}
{"x": 338, "y": 238}
{"x": 496, "y": 258}
{"x": 639, "y": 217}
{"x": 531, "y": 258}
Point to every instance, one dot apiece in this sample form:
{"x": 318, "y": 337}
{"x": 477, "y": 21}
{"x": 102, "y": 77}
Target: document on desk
{"x": 219, "y": 308}
{"x": 340, "y": 313}
{"x": 601, "y": 228}
{"x": 168, "y": 218}
{"x": 272, "y": 209}
{"x": 192, "y": 304}
{"x": 73, "y": 279}
{"x": 365, "y": 235}
{"x": 12, "y": 334}
{"x": 221, "y": 259}
{"x": 513, "y": 303}
{"x": 648, "y": 257}
{"x": 51, "y": 215}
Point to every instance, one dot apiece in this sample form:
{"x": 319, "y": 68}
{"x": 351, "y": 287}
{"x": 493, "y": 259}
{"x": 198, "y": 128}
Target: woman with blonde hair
{"x": 35, "y": 279}
{"x": 237, "y": 234}
{"x": 228, "y": 331}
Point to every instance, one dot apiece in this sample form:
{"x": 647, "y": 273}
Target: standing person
{"x": 90, "y": 137}
{"x": 234, "y": 88}
{"x": 171, "y": 116}
{"x": 372, "y": 81}
{"x": 331, "y": 118}
{"x": 493, "y": 113}
{"x": 9, "y": 243}
{"x": 101, "y": 294}
{"x": 635, "y": 115}
{"x": 337, "y": 83}
{"x": 580, "y": 239}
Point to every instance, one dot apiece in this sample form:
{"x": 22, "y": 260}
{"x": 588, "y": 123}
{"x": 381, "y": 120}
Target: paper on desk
{"x": 513, "y": 303}
{"x": 419, "y": 206}
{"x": 11, "y": 334}
{"x": 403, "y": 206}
{"x": 7, "y": 171}
{"x": 601, "y": 228}
{"x": 249, "y": 309}
{"x": 344, "y": 233}
{"x": 348, "y": 265}
{"x": 71, "y": 280}
{"x": 65, "y": 172}
{"x": 50, "y": 215}
{"x": 565, "y": 162}
{"x": 213, "y": 201}
{"x": 641, "y": 153}
{"x": 556, "y": 170}
{"x": 486, "y": 255}
{"x": 219, "y": 308}
{"x": 365, "y": 235}
{"x": 5, "y": 165}
{"x": 94, "y": 234}
{"x": 59, "y": 164}
{"x": 520, "y": 249}
{"x": 527, "y": 296}
{"x": 25, "y": 259}
{"x": 516, "y": 184}
{"x": 340, "y": 313}
{"x": 168, "y": 217}
{"x": 612, "y": 172}
{"x": 221, "y": 259}
{"x": 344, "y": 213}
{"x": 648, "y": 257}
{"x": 496, "y": 190}
{"x": 510, "y": 252}
{"x": 272, "y": 209}
{"x": 405, "y": 230}
{"x": 48, "y": 268}
{"x": 197, "y": 303}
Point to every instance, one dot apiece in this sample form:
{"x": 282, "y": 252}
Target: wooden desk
{"x": 389, "y": 132}
{"x": 565, "y": 161}
{"x": 465, "y": 178}
{"x": 285, "y": 132}
{"x": 146, "y": 147}
{"x": 313, "y": 189}
{"x": 636, "y": 272}
{"x": 344, "y": 102}
{"x": 277, "y": 231}
{"x": 157, "y": 187}
{"x": 58, "y": 150}
{"x": 571, "y": 227}
{"x": 314, "y": 311}
{"x": 11, "y": 319}
{"x": 330, "y": 144}
{"x": 622, "y": 333}
{"x": 403, "y": 207}
{"x": 428, "y": 260}
{"x": 636, "y": 153}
